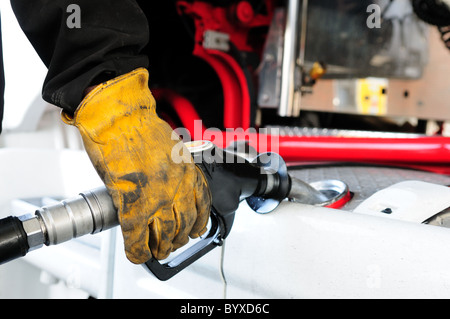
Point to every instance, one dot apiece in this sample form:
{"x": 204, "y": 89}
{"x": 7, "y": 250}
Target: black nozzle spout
{"x": 278, "y": 183}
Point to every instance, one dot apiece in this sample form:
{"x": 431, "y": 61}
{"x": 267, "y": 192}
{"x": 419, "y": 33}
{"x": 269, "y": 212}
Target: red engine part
{"x": 426, "y": 153}
{"x": 236, "y": 22}
{"x": 182, "y": 106}
{"x": 429, "y": 153}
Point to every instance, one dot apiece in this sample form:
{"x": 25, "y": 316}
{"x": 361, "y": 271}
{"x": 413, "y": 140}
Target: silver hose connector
{"x": 88, "y": 213}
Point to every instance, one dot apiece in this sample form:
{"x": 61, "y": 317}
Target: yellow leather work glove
{"x": 160, "y": 203}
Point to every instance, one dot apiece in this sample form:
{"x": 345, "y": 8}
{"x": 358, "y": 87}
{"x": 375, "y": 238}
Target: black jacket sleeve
{"x": 83, "y": 45}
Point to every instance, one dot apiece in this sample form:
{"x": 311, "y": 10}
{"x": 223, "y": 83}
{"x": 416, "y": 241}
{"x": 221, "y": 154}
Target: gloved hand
{"x": 160, "y": 203}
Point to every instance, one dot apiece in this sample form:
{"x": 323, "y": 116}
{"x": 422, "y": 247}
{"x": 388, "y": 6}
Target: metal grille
{"x": 314, "y": 132}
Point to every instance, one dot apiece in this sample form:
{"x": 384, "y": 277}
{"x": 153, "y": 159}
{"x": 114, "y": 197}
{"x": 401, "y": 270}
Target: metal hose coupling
{"x": 87, "y": 213}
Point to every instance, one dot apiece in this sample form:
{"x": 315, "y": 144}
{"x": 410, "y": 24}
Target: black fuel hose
{"x": 13, "y": 239}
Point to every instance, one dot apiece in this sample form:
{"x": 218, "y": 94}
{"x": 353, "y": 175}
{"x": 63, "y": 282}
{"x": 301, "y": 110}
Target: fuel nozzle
{"x": 280, "y": 186}
{"x": 262, "y": 180}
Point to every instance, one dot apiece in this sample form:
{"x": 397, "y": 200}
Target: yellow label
{"x": 372, "y": 96}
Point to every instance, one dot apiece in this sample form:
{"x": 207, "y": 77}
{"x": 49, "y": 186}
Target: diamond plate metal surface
{"x": 363, "y": 181}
